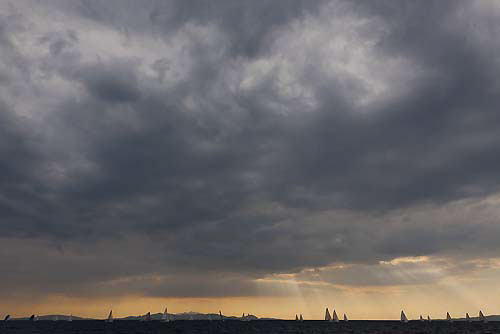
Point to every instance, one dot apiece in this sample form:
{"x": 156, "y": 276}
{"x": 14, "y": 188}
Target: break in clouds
{"x": 197, "y": 148}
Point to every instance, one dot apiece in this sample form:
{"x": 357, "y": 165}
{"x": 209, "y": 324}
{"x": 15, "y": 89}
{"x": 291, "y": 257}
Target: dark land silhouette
{"x": 244, "y": 327}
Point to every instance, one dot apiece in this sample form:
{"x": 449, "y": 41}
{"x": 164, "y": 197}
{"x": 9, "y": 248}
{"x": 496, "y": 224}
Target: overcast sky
{"x": 272, "y": 157}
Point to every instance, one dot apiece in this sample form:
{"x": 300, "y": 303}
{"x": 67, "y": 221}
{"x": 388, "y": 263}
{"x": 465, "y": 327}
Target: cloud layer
{"x": 148, "y": 146}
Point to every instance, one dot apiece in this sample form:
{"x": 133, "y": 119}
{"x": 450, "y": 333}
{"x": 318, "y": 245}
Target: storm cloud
{"x": 149, "y": 146}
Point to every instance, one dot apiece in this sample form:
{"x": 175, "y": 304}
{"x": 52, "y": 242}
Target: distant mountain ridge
{"x": 154, "y": 316}
{"x": 198, "y": 316}
{"x": 52, "y": 317}
{"x": 189, "y": 316}
{"x": 493, "y": 317}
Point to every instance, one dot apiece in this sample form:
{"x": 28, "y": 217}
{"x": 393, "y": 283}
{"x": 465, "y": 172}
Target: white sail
{"x": 482, "y": 317}
{"x": 429, "y": 318}
{"x": 164, "y": 316}
{"x": 421, "y": 318}
{"x": 448, "y": 317}
{"x": 301, "y": 319}
{"x": 335, "y": 317}
{"x": 403, "y": 317}
{"x": 110, "y": 316}
{"x": 36, "y": 318}
{"x": 327, "y": 315}
{"x": 345, "y": 318}
{"x": 467, "y": 317}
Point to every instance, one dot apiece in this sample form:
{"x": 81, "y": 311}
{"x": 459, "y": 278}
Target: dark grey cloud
{"x": 236, "y": 138}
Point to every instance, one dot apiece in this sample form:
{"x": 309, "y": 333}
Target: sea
{"x": 245, "y": 327}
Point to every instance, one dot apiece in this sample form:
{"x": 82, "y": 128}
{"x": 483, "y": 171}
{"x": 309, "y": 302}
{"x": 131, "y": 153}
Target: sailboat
{"x": 482, "y": 317}
{"x": 335, "y": 317}
{"x": 327, "y": 315}
{"x": 296, "y": 318}
{"x": 36, "y": 318}
{"x": 429, "y": 318}
{"x": 301, "y": 319}
{"x": 403, "y": 317}
{"x": 467, "y": 317}
{"x": 110, "y": 316}
{"x": 448, "y": 317}
{"x": 221, "y": 317}
{"x": 345, "y": 318}
{"x": 243, "y": 318}
{"x": 421, "y": 318}
{"x": 70, "y": 317}
{"x": 32, "y": 317}
{"x": 7, "y": 317}
{"x": 147, "y": 317}
{"x": 164, "y": 316}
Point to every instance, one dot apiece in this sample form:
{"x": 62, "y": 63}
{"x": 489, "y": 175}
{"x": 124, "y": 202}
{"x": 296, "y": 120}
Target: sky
{"x": 267, "y": 157}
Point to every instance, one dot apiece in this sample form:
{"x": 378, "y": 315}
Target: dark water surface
{"x": 240, "y": 327}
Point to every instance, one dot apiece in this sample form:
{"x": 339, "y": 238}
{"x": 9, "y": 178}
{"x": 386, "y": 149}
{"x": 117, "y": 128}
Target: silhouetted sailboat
{"x": 467, "y": 317}
{"x": 429, "y": 318}
{"x": 147, "y": 317}
{"x": 32, "y": 318}
{"x": 164, "y": 316}
{"x": 448, "y": 317}
{"x": 421, "y": 318}
{"x": 301, "y": 319}
{"x": 7, "y": 317}
{"x": 296, "y": 318}
{"x": 403, "y": 317}
{"x": 482, "y": 317}
{"x": 327, "y": 315}
{"x": 335, "y": 317}
{"x": 221, "y": 317}
{"x": 110, "y": 316}
{"x": 345, "y": 318}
